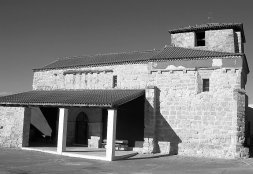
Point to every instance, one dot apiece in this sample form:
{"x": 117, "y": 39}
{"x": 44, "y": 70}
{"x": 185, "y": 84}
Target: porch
{"x": 64, "y": 102}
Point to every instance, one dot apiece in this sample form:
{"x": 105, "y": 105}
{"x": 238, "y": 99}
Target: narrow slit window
{"x": 200, "y": 38}
{"x": 205, "y": 85}
{"x": 114, "y": 81}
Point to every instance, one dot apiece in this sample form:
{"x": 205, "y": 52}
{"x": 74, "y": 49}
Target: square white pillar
{"x": 111, "y": 134}
{"x": 62, "y": 130}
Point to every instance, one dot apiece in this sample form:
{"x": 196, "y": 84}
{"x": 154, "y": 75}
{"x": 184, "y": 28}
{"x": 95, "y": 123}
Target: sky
{"x": 36, "y": 32}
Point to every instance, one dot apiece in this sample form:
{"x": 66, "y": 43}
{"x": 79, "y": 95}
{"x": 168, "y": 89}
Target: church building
{"x": 187, "y": 98}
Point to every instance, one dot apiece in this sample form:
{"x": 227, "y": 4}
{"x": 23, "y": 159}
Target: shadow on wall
{"x": 249, "y": 127}
{"x": 167, "y": 139}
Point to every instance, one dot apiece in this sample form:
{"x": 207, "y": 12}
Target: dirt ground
{"x": 13, "y": 161}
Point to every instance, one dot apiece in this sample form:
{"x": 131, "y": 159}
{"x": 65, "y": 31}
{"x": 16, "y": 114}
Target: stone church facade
{"x": 191, "y": 95}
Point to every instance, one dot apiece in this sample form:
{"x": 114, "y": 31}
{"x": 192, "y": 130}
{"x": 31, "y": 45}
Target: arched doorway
{"x": 81, "y": 136}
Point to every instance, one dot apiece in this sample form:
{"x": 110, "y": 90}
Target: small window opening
{"x": 200, "y": 38}
{"x": 205, "y": 85}
{"x": 114, "y": 81}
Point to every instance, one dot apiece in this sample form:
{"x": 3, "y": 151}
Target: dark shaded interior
{"x": 104, "y": 120}
{"x": 248, "y": 128}
{"x": 36, "y": 138}
{"x": 130, "y": 121}
{"x": 200, "y": 38}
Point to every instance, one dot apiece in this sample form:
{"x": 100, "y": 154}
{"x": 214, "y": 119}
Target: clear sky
{"x": 36, "y": 32}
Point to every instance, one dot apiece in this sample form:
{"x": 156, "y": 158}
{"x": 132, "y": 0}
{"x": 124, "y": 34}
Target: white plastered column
{"x": 62, "y": 130}
{"x": 111, "y": 134}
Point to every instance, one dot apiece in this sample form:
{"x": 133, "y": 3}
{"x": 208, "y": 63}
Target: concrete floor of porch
{"x": 84, "y": 152}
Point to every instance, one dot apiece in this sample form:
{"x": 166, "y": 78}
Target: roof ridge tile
{"x": 104, "y": 54}
{"x": 205, "y": 26}
{"x": 196, "y": 49}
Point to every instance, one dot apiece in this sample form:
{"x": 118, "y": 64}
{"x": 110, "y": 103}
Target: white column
{"x": 62, "y": 130}
{"x": 111, "y": 133}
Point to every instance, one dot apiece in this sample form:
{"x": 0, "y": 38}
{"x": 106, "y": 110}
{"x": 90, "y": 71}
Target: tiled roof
{"x": 72, "y": 98}
{"x": 100, "y": 59}
{"x": 166, "y": 53}
{"x": 208, "y": 26}
{"x": 211, "y": 26}
{"x": 183, "y": 53}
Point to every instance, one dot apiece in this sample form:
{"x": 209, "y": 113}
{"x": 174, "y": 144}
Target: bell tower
{"x": 225, "y": 37}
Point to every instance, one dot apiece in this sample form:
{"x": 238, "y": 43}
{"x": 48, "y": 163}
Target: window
{"x": 205, "y": 85}
{"x": 114, "y": 81}
{"x": 200, "y": 38}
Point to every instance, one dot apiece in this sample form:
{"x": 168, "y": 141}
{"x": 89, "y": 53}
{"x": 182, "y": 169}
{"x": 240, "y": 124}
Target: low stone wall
{"x": 14, "y": 126}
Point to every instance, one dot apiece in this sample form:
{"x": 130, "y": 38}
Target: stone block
{"x": 94, "y": 142}
{"x": 138, "y": 144}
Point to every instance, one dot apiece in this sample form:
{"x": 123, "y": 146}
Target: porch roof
{"x": 72, "y": 98}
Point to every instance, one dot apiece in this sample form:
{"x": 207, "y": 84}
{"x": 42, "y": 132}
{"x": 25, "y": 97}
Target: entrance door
{"x": 81, "y": 136}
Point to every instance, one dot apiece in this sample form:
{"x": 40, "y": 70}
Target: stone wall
{"x": 215, "y": 40}
{"x": 196, "y": 123}
{"x": 14, "y": 126}
{"x": 129, "y": 76}
{"x": 186, "y": 40}
{"x": 240, "y": 97}
{"x": 220, "y": 40}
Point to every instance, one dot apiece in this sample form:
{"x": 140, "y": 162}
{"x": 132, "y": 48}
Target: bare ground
{"x": 13, "y": 161}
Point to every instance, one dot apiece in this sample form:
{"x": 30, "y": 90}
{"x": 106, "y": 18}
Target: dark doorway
{"x": 81, "y": 136}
